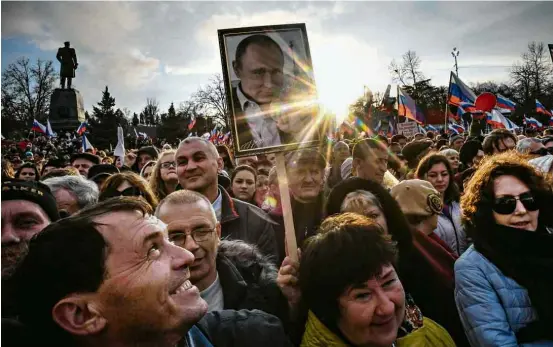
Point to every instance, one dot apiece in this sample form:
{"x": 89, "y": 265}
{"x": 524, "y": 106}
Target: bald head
{"x": 210, "y": 147}
{"x": 182, "y": 198}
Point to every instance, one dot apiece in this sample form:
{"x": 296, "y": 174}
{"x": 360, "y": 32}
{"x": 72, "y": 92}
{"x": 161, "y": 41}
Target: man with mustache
{"x": 110, "y": 276}
{"x": 198, "y": 165}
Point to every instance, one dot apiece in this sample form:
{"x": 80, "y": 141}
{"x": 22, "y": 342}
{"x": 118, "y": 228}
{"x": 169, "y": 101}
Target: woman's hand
{"x": 287, "y": 280}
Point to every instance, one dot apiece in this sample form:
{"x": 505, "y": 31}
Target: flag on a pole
{"x": 511, "y": 125}
{"x": 459, "y": 92}
{"x": 541, "y": 109}
{"x": 456, "y": 128}
{"x": 82, "y": 128}
{"x": 86, "y": 145}
{"x": 496, "y": 120}
{"x": 120, "y": 147}
{"x": 407, "y": 107}
{"x": 38, "y": 127}
{"x": 504, "y": 103}
{"x": 532, "y": 122}
{"x": 191, "y": 124}
{"x": 49, "y": 131}
{"x": 430, "y": 127}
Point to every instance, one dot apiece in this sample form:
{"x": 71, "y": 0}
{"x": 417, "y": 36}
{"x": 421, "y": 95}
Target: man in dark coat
{"x": 305, "y": 171}
{"x": 110, "y": 276}
{"x": 230, "y": 274}
{"x": 198, "y": 164}
{"x": 68, "y": 59}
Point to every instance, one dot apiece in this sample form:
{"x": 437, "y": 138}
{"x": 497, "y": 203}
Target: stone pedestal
{"x": 66, "y": 109}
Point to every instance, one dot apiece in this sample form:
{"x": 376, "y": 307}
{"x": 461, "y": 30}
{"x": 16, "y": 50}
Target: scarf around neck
{"x": 527, "y": 258}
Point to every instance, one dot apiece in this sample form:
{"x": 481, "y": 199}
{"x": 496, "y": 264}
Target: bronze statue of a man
{"x": 68, "y": 59}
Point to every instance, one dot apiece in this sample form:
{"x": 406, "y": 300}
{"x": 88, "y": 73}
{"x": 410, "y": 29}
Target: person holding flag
{"x": 82, "y": 128}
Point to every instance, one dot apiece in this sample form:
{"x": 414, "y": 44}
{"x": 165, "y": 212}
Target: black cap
{"x": 101, "y": 169}
{"x": 33, "y": 191}
{"x": 88, "y": 156}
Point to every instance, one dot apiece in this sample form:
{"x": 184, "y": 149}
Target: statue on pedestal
{"x": 68, "y": 59}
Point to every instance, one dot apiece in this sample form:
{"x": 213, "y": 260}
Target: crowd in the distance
{"x": 423, "y": 241}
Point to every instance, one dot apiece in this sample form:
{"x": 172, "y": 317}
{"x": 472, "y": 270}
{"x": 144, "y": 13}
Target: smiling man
{"x": 198, "y": 164}
{"x": 111, "y": 277}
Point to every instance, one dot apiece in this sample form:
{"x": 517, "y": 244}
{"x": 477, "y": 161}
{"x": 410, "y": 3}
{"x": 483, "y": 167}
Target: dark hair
{"x": 229, "y": 159}
{"x": 382, "y": 139}
{"x": 430, "y": 134}
{"x": 479, "y": 191}
{"x": 395, "y": 220}
{"x": 362, "y": 148}
{"x": 264, "y": 162}
{"x": 114, "y": 181}
{"x": 492, "y": 140}
{"x": 67, "y": 257}
{"x": 243, "y": 168}
{"x": 28, "y": 166}
{"x": 261, "y": 40}
{"x": 349, "y": 250}
{"x": 468, "y": 151}
{"x": 451, "y": 194}
{"x": 398, "y": 137}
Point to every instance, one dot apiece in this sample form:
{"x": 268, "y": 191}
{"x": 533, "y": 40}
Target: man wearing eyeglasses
{"x": 229, "y": 274}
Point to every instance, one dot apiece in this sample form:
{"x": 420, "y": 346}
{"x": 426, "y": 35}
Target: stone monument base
{"x": 66, "y": 109}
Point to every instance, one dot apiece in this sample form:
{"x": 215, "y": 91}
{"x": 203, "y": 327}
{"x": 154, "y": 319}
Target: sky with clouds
{"x": 166, "y": 50}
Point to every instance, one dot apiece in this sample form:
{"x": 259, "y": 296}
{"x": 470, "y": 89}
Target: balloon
{"x": 485, "y": 102}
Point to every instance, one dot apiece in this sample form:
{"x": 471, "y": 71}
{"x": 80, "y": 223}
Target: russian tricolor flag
{"x": 532, "y": 122}
{"x": 496, "y": 120}
{"x": 459, "y": 92}
{"x": 82, "y": 128}
{"x": 456, "y": 128}
{"x": 504, "y": 103}
{"x": 86, "y": 144}
{"x": 541, "y": 109}
{"x": 407, "y": 107}
{"x": 38, "y": 127}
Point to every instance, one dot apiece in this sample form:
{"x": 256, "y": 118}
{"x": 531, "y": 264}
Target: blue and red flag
{"x": 456, "y": 128}
{"x": 541, "y": 109}
{"x": 496, "y": 120}
{"x": 82, "y": 128}
{"x": 504, "y": 103}
{"x": 459, "y": 92}
{"x": 407, "y": 107}
{"x": 38, "y": 127}
{"x": 551, "y": 121}
{"x": 532, "y": 122}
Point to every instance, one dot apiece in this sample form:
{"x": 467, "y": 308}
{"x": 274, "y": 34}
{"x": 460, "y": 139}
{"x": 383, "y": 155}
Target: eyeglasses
{"x": 198, "y": 235}
{"x": 131, "y": 191}
{"x": 508, "y": 204}
{"x": 168, "y": 164}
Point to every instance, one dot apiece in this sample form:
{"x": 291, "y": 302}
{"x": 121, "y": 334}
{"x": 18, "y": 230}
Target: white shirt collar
{"x": 218, "y": 206}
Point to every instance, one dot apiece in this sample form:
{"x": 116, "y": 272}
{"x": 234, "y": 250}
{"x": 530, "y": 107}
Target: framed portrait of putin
{"x": 270, "y": 88}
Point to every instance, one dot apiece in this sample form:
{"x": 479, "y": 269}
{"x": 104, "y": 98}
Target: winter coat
{"x": 429, "y": 335}
{"x": 243, "y": 221}
{"x": 451, "y": 230}
{"x": 248, "y": 279}
{"x": 492, "y": 307}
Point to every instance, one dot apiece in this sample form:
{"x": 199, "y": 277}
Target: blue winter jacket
{"x": 492, "y": 307}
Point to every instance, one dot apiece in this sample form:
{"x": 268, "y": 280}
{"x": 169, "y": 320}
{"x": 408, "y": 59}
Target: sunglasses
{"x": 508, "y": 204}
{"x": 131, "y": 191}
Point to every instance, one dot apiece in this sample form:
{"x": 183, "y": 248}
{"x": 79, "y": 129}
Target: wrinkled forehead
{"x": 126, "y": 230}
{"x": 15, "y": 207}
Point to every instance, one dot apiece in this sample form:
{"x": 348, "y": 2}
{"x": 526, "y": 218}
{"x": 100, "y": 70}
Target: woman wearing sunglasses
{"x": 127, "y": 183}
{"x": 504, "y": 281}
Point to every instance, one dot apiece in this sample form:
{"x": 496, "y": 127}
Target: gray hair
{"x": 359, "y": 199}
{"x": 449, "y": 151}
{"x": 524, "y": 145}
{"x": 84, "y": 190}
{"x": 210, "y": 146}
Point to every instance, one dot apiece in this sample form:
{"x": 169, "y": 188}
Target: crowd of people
{"x": 432, "y": 240}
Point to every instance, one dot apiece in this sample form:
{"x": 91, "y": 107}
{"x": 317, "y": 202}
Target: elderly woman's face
{"x": 514, "y": 206}
{"x": 370, "y": 314}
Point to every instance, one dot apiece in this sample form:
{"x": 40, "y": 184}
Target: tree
{"x": 408, "y": 72}
{"x": 26, "y": 91}
{"x": 151, "y": 111}
{"x": 174, "y": 125}
{"x": 532, "y": 77}
{"x": 104, "y": 121}
{"x": 212, "y": 102}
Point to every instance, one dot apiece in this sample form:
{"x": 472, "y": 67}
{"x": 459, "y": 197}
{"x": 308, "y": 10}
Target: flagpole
{"x": 447, "y": 103}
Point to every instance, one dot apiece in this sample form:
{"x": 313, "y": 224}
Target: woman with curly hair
{"x": 504, "y": 282}
{"x": 127, "y": 183}
{"x": 164, "y": 179}
{"x": 436, "y": 169}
